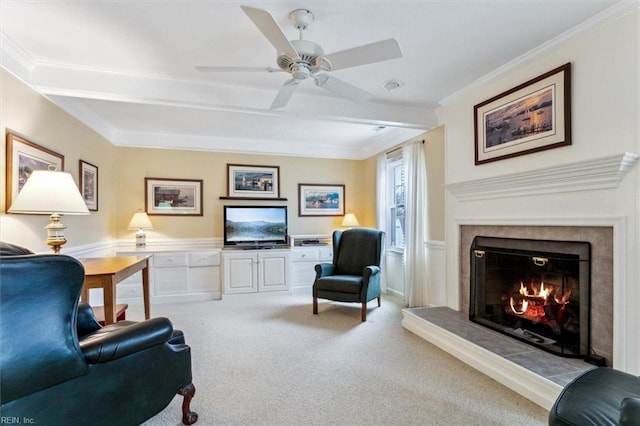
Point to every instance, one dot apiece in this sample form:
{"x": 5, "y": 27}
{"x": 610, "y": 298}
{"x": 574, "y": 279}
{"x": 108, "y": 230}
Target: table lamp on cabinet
{"x": 54, "y": 193}
{"x": 141, "y": 222}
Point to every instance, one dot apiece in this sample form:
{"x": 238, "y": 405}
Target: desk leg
{"x": 145, "y": 291}
{"x": 109, "y": 292}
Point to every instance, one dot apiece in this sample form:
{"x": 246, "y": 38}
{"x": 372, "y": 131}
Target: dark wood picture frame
{"x": 173, "y": 197}
{"x": 532, "y": 117}
{"x": 317, "y": 199}
{"x": 245, "y": 181}
{"x": 22, "y": 158}
{"x": 88, "y": 182}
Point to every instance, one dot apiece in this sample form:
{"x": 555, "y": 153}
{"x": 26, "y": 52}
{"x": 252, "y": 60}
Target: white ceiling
{"x": 126, "y": 68}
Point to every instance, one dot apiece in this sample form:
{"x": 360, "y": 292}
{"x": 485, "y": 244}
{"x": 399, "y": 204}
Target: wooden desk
{"x": 106, "y": 272}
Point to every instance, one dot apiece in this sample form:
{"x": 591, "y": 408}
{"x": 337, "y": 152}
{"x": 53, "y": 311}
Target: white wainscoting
{"x": 436, "y": 273}
{"x": 394, "y": 274}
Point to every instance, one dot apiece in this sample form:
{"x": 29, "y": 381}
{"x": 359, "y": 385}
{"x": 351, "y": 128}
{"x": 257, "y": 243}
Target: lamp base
{"x": 56, "y": 244}
{"x": 55, "y": 233}
{"x": 141, "y": 239}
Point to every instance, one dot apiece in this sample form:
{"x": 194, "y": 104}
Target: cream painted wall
{"x": 134, "y": 164}
{"x": 30, "y": 115}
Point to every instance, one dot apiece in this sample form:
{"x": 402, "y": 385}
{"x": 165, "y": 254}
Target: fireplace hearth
{"x": 536, "y": 291}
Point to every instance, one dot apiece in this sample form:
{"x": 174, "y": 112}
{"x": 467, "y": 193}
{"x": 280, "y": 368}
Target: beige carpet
{"x": 265, "y": 359}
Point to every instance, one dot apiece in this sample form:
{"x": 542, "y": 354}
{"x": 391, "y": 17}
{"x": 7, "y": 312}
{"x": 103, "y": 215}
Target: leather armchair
{"x": 354, "y": 275}
{"x": 601, "y": 396}
{"x": 59, "y": 366}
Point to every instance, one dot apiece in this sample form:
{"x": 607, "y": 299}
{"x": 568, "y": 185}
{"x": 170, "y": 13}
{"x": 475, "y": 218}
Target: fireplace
{"x": 537, "y": 291}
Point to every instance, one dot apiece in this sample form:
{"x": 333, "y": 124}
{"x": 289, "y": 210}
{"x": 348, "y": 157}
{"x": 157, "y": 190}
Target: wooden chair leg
{"x": 188, "y": 417}
{"x": 364, "y": 312}
{"x": 315, "y": 306}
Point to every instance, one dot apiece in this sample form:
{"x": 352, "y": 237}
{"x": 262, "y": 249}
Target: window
{"x": 396, "y": 200}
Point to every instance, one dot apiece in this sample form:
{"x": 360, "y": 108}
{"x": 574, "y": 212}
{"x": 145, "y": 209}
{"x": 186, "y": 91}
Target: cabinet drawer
{"x": 325, "y": 254}
{"x": 303, "y": 255}
{"x": 205, "y": 258}
{"x": 169, "y": 260}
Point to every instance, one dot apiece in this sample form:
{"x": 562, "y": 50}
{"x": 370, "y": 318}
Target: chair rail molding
{"x": 600, "y": 173}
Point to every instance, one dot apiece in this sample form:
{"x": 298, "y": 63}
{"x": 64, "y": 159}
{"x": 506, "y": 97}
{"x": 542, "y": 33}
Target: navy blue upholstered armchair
{"x": 354, "y": 275}
{"x": 58, "y": 366}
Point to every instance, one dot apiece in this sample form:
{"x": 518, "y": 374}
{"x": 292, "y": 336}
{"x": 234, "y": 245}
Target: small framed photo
{"x": 320, "y": 200}
{"x": 173, "y": 197}
{"x": 89, "y": 184}
{"x": 531, "y": 117}
{"x": 247, "y": 181}
{"x": 24, "y": 157}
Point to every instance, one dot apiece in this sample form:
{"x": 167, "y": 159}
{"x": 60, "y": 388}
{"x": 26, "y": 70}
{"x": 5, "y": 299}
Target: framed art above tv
{"x": 253, "y": 182}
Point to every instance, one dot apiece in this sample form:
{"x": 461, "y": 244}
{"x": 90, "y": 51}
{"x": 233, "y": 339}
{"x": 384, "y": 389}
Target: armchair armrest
{"x": 324, "y": 269}
{"x": 113, "y": 342}
{"x": 87, "y": 321}
{"x": 630, "y": 411}
{"x": 370, "y": 271}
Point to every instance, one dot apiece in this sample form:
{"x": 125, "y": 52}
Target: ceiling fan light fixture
{"x": 392, "y": 85}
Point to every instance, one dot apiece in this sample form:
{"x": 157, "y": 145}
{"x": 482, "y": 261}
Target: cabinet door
{"x": 239, "y": 273}
{"x": 273, "y": 271}
{"x": 204, "y": 279}
{"x": 170, "y": 281}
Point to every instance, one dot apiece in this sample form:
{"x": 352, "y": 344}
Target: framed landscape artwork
{"x": 24, "y": 157}
{"x": 247, "y": 181}
{"x": 531, "y": 117}
{"x": 173, "y": 197}
{"x": 320, "y": 200}
{"x": 89, "y": 184}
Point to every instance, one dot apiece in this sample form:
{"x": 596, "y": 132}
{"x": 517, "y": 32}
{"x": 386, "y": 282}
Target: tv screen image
{"x": 255, "y": 225}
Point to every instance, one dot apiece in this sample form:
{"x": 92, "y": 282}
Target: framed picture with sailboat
{"x": 531, "y": 117}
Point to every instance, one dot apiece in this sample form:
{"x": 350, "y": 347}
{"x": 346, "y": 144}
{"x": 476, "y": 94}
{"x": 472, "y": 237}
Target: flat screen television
{"x": 255, "y": 226}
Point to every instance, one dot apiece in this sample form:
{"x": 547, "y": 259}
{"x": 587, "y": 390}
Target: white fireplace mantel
{"x": 600, "y": 173}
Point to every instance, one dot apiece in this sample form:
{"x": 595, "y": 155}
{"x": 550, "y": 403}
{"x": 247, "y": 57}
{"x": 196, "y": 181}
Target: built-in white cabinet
{"x": 177, "y": 275}
{"x": 253, "y": 271}
{"x": 306, "y": 252}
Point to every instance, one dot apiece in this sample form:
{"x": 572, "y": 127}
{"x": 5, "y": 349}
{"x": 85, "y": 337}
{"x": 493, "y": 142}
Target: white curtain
{"x": 381, "y": 210}
{"x": 415, "y": 253}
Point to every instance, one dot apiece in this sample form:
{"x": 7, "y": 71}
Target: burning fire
{"x": 534, "y": 299}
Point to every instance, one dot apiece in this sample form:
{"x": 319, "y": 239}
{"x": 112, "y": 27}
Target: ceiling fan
{"x": 305, "y": 59}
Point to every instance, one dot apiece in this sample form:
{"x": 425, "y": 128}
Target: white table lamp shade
{"x": 47, "y": 192}
{"x": 350, "y": 220}
{"x": 53, "y": 193}
{"x": 140, "y": 220}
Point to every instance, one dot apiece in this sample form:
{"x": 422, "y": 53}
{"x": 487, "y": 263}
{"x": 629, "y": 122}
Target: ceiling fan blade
{"x": 365, "y": 54}
{"x": 238, "y": 69}
{"x": 285, "y": 93}
{"x": 342, "y": 88}
{"x": 271, "y": 30}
